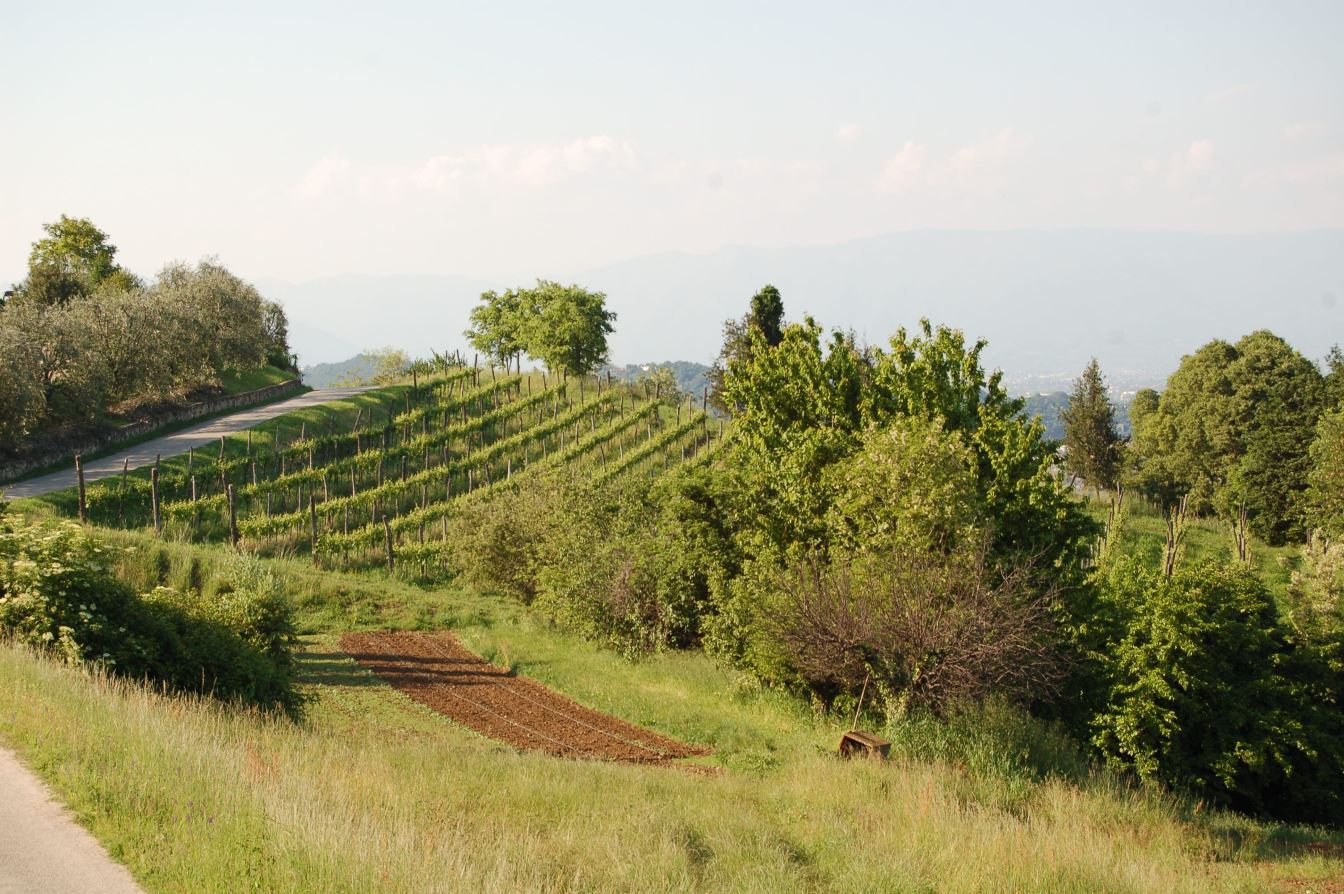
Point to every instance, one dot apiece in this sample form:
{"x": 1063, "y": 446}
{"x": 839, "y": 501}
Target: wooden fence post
{"x": 121, "y": 495}
{"x": 154, "y": 496}
{"x": 312, "y": 522}
{"x": 233, "y": 515}
{"x": 79, "y": 475}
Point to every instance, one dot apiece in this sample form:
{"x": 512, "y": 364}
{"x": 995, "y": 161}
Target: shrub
{"x": 58, "y": 593}
{"x": 1209, "y": 692}
{"x": 933, "y": 631}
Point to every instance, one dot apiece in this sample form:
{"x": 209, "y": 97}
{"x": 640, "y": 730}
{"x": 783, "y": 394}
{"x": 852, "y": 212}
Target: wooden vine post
{"x": 312, "y": 523}
{"x": 387, "y": 536}
{"x": 79, "y": 475}
{"x": 233, "y": 515}
{"x": 121, "y": 491}
{"x": 154, "y": 497}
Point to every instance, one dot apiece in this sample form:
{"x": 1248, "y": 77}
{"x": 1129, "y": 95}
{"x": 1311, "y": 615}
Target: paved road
{"x": 173, "y": 444}
{"x": 42, "y": 849}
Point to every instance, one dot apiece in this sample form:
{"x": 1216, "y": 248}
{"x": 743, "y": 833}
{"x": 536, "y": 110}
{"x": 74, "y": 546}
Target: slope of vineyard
{"x": 378, "y": 488}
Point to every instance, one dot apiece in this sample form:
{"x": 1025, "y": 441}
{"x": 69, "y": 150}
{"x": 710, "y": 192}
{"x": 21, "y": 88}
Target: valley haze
{"x": 1045, "y": 300}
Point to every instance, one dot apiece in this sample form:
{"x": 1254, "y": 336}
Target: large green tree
{"x": 1233, "y": 427}
{"x": 1093, "y": 444}
{"x": 71, "y": 261}
{"x": 913, "y": 450}
{"x": 763, "y": 324}
{"x": 1326, "y": 479}
{"x": 497, "y": 325}
{"x": 566, "y": 327}
{"x": 1334, "y": 378}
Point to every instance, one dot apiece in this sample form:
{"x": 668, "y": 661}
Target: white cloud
{"x": 1229, "y": 93}
{"x": 905, "y": 168}
{"x": 1195, "y": 160}
{"x": 848, "y": 133}
{"x": 1303, "y": 130}
{"x": 988, "y": 153}
{"x": 973, "y": 166}
{"x": 324, "y": 175}
{"x": 1200, "y": 155}
{"x": 499, "y": 165}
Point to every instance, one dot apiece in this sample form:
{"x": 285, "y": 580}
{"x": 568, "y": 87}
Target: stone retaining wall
{"x": 11, "y": 470}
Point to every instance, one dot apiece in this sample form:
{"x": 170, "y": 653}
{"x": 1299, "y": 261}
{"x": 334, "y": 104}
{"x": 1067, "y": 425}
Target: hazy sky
{"x": 296, "y": 140}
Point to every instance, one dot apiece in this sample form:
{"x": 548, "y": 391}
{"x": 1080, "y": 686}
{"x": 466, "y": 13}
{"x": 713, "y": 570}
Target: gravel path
{"x": 171, "y": 445}
{"x": 42, "y": 849}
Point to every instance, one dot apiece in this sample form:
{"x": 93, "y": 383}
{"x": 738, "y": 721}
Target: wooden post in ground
{"x": 312, "y": 523}
{"x": 387, "y": 536}
{"x": 79, "y": 475}
{"x": 233, "y": 515}
{"x": 121, "y": 495}
{"x": 154, "y": 496}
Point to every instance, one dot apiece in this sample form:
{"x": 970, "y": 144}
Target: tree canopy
{"x": 1092, "y": 443}
{"x": 763, "y": 324}
{"x": 71, "y": 261}
{"x": 564, "y": 327}
{"x": 1233, "y": 427}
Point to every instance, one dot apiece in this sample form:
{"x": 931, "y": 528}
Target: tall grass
{"x": 371, "y": 791}
{"x": 374, "y": 793}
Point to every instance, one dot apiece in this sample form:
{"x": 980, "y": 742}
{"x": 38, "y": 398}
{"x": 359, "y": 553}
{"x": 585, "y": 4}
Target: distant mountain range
{"x": 1046, "y": 301}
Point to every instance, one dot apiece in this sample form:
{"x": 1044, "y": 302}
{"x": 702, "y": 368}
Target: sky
{"x": 299, "y": 140}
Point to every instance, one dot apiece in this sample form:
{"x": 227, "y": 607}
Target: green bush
{"x": 1208, "y": 692}
{"x": 58, "y": 592}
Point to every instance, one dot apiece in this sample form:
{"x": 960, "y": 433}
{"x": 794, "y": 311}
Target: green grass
{"x": 1206, "y": 539}
{"x": 239, "y": 381}
{"x": 371, "y": 791}
{"x": 374, "y": 792}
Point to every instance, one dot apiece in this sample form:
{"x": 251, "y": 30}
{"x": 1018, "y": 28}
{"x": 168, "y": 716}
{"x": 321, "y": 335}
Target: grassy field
{"x": 373, "y": 792}
{"x": 238, "y": 381}
{"x": 1145, "y": 534}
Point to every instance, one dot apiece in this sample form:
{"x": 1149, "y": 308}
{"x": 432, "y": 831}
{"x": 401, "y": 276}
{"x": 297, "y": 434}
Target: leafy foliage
{"x": 1233, "y": 426}
{"x": 121, "y": 346}
{"x": 1326, "y": 479}
{"x": 1209, "y": 692}
{"x": 73, "y": 260}
{"x": 497, "y": 326}
{"x": 564, "y": 327}
{"x": 58, "y": 593}
{"x": 1089, "y": 430}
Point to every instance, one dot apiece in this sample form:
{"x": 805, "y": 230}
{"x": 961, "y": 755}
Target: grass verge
{"x": 374, "y": 792}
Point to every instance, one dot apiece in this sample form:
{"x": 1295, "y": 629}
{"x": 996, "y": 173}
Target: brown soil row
{"x": 439, "y": 672}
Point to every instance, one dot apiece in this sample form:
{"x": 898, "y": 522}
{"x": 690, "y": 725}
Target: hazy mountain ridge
{"x": 1046, "y": 301}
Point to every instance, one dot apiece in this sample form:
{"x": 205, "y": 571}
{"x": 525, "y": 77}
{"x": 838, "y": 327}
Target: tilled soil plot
{"x": 438, "y": 671}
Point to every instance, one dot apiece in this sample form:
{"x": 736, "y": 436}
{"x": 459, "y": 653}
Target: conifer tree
{"x": 1089, "y": 430}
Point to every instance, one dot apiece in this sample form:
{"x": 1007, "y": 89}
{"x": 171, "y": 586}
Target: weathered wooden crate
{"x": 857, "y": 743}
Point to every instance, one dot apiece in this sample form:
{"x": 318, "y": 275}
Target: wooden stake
{"x": 312, "y": 522}
{"x": 387, "y": 537}
{"x": 79, "y": 475}
{"x": 154, "y": 496}
{"x": 233, "y": 515}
